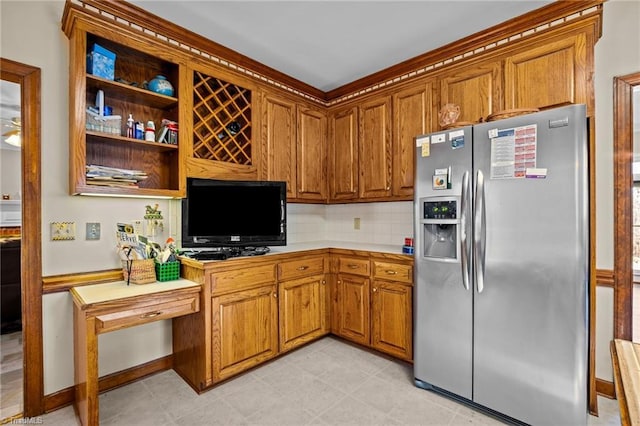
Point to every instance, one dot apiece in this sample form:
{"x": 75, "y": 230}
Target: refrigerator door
{"x": 530, "y": 314}
{"x": 443, "y": 304}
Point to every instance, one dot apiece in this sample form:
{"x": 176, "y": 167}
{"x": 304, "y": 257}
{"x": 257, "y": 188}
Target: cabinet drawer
{"x": 352, "y": 265}
{"x": 393, "y": 271}
{"x": 145, "y": 314}
{"x": 300, "y": 268}
{"x": 240, "y": 279}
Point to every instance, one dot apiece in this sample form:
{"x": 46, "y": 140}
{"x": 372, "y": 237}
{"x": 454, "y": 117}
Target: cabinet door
{"x": 375, "y": 148}
{"x": 547, "y": 76}
{"x": 477, "y": 90}
{"x": 303, "y": 311}
{"x": 279, "y": 141}
{"x": 392, "y": 319}
{"x": 343, "y": 155}
{"x": 312, "y": 154}
{"x": 244, "y": 330}
{"x": 353, "y": 308}
{"x": 221, "y": 123}
{"x": 412, "y": 114}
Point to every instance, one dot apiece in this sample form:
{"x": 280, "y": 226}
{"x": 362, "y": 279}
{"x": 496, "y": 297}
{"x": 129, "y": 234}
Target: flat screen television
{"x": 221, "y": 213}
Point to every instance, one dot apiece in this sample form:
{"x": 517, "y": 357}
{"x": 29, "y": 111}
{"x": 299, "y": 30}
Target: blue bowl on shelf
{"x": 161, "y": 85}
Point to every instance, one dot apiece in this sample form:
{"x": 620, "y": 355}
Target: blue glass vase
{"x": 161, "y": 85}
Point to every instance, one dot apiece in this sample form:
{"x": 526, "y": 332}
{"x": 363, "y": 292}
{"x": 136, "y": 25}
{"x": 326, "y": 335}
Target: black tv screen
{"x": 218, "y": 213}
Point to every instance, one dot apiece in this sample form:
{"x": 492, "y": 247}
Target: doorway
{"x": 28, "y": 78}
{"x": 623, "y": 151}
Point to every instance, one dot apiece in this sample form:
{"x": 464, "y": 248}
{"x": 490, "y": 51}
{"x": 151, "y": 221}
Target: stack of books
{"x": 111, "y": 176}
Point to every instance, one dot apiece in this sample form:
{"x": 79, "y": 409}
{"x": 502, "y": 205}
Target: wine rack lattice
{"x": 221, "y": 120}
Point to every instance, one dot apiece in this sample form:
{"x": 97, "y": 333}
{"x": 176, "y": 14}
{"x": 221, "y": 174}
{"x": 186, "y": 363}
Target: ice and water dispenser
{"x": 440, "y": 228}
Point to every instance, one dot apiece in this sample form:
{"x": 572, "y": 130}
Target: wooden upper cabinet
{"x": 279, "y": 141}
{"x": 221, "y": 125}
{"x": 375, "y": 151}
{"x": 312, "y": 154}
{"x": 412, "y": 113}
{"x": 343, "y": 154}
{"x": 547, "y": 76}
{"x": 477, "y": 90}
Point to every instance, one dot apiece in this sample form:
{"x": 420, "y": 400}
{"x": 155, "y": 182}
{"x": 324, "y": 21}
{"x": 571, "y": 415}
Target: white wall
{"x": 30, "y": 33}
{"x": 617, "y": 53}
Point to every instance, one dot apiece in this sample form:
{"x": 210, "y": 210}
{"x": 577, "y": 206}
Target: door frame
{"x": 29, "y": 79}
{"x": 623, "y": 204}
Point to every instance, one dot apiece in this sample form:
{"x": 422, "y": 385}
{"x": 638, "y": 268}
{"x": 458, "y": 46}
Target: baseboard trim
{"x": 605, "y": 388}
{"x": 64, "y": 397}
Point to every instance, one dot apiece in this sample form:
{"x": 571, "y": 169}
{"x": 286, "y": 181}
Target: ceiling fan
{"x": 11, "y": 131}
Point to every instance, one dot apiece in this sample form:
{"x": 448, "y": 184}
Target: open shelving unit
{"x": 135, "y": 65}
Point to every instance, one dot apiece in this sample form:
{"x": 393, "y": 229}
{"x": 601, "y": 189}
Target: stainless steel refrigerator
{"x": 502, "y": 265}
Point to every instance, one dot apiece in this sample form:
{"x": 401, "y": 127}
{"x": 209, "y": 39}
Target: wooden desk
{"x": 107, "y": 307}
{"x": 626, "y": 369}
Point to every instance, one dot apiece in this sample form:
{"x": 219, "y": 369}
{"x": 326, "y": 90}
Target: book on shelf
{"x": 168, "y": 132}
{"x": 112, "y": 176}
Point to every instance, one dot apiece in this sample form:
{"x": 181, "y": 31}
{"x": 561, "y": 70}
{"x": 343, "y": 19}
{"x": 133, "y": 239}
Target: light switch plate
{"x": 92, "y": 231}
{"x": 356, "y": 223}
{"x": 63, "y": 231}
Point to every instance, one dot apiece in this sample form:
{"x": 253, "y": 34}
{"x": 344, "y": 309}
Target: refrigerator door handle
{"x": 479, "y": 231}
{"x": 464, "y": 243}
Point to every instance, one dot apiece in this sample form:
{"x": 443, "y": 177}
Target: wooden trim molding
{"x": 28, "y": 78}
{"x": 60, "y": 283}
{"x": 605, "y": 388}
{"x": 67, "y": 396}
{"x": 136, "y": 19}
{"x": 604, "y": 277}
{"x": 623, "y": 204}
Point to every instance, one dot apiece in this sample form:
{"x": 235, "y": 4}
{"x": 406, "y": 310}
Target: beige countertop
{"x": 97, "y": 293}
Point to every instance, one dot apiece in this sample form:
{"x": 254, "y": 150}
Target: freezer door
{"x": 443, "y": 306}
{"x": 530, "y": 312}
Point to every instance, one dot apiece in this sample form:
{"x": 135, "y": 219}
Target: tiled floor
{"x": 10, "y": 374}
{"x": 327, "y": 382}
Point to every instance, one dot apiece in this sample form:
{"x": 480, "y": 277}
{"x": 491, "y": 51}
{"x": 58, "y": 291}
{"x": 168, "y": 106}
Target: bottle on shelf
{"x": 150, "y": 132}
{"x": 130, "y": 133}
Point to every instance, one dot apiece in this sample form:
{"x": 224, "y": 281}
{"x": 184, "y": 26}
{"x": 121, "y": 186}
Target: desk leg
{"x": 85, "y": 344}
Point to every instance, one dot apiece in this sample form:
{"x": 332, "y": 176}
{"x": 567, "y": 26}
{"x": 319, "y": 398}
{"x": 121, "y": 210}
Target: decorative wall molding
{"x": 605, "y": 277}
{"x": 554, "y": 15}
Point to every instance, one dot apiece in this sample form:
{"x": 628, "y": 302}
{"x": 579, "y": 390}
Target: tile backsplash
{"x": 380, "y": 223}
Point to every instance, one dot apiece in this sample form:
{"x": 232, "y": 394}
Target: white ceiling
{"x": 327, "y": 44}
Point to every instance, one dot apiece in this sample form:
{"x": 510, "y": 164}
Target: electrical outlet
{"x": 92, "y": 231}
{"x": 356, "y": 223}
{"x": 63, "y": 231}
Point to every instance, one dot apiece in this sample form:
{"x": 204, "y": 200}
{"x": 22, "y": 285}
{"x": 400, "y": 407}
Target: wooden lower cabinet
{"x": 372, "y": 305}
{"x": 253, "y": 309}
{"x": 244, "y": 330}
{"x": 303, "y": 311}
{"x": 391, "y": 328}
{"x": 353, "y": 307}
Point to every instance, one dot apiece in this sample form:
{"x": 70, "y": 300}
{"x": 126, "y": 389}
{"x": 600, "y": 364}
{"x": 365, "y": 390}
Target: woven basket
{"x": 139, "y": 271}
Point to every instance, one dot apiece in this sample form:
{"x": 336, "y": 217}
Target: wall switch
{"x": 356, "y": 223}
{"x": 92, "y": 231}
{"x": 62, "y": 231}
{"x": 138, "y": 227}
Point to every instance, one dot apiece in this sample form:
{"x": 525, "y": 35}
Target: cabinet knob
{"x": 339, "y": 282}
{"x": 324, "y": 281}
{"x": 275, "y": 295}
{"x": 390, "y": 272}
{"x": 375, "y": 289}
{"x": 352, "y": 266}
{"x": 151, "y": 314}
{"x": 302, "y": 268}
